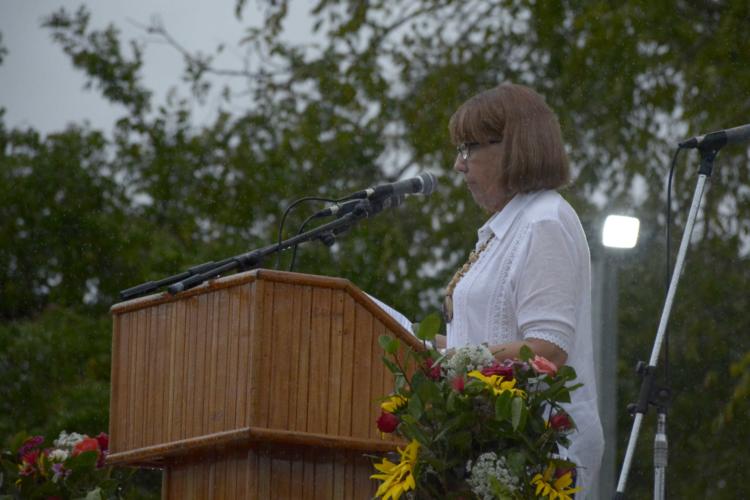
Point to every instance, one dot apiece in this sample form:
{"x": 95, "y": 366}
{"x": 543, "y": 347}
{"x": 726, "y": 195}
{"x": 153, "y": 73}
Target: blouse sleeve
{"x": 549, "y": 285}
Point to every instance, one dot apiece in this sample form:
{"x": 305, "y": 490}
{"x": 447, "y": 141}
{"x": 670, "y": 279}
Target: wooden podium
{"x": 263, "y": 384}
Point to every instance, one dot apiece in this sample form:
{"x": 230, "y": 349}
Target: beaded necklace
{"x": 448, "y": 300}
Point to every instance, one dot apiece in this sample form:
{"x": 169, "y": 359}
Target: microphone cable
{"x": 668, "y": 276}
{"x": 286, "y": 213}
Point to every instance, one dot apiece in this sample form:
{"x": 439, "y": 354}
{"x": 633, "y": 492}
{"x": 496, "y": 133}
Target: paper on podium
{"x": 400, "y": 318}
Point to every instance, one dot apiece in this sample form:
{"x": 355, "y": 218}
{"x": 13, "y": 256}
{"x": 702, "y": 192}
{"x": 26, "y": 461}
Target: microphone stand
{"x": 196, "y": 275}
{"x": 649, "y": 393}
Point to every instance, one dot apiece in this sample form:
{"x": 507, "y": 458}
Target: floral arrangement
{"x": 73, "y": 467}
{"x": 475, "y": 427}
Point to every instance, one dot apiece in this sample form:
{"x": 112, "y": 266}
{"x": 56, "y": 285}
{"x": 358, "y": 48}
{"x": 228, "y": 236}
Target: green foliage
{"x": 85, "y": 213}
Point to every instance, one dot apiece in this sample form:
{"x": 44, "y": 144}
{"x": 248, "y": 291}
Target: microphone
{"x": 719, "y": 139}
{"x": 424, "y": 184}
{"x": 341, "y": 209}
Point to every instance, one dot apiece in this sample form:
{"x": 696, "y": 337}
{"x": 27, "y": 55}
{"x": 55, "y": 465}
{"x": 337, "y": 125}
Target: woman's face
{"x": 481, "y": 172}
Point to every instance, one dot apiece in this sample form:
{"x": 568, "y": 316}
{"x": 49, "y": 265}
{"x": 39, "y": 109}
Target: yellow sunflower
{"x": 559, "y": 489}
{"x": 393, "y": 403}
{"x": 397, "y": 478}
{"x": 498, "y": 384}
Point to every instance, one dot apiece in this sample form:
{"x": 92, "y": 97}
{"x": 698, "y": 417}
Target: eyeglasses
{"x": 464, "y": 149}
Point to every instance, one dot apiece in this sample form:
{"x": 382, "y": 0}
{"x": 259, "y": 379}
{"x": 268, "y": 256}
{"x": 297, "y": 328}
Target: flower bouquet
{"x": 73, "y": 467}
{"x": 475, "y": 427}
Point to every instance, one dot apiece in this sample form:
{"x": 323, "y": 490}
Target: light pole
{"x": 619, "y": 233}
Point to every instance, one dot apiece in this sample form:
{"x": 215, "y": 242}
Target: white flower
{"x": 467, "y": 359}
{"x": 66, "y": 440}
{"x": 489, "y": 469}
{"x": 58, "y": 455}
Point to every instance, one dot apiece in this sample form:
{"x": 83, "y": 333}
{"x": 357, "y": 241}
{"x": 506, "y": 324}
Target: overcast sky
{"x": 39, "y": 87}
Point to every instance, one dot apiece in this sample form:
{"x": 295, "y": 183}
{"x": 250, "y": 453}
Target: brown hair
{"x": 533, "y": 156}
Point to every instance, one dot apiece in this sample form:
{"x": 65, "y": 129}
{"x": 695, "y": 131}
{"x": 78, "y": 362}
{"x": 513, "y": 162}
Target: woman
{"x": 528, "y": 280}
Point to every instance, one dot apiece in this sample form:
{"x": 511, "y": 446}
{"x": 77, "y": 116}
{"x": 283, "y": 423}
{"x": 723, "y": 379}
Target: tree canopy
{"x": 86, "y": 213}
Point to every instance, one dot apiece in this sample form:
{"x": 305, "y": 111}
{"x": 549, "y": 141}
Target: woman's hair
{"x": 532, "y": 153}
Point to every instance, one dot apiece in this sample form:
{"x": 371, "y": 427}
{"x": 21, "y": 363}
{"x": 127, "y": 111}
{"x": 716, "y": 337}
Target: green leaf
{"x": 429, "y": 391}
{"x": 526, "y": 353}
{"x": 391, "y": 366}
{"x": 388, "y": 343}
{"x": 518, "y": 409}
{"x": 415, "y": 407}
{"x": 95, "y": 494}
{"x": 461, "y": 441}
{"x": 566, "y": 372}
{"x": 503, "y": 406}
{"x": 429, "y": 327}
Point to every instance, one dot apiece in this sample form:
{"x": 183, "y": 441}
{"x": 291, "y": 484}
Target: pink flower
{"x": 28, "y": 462}
{"x": 387, "y": 422}
{"x": 458, "y": 384}
{"x": 504, "y": 371}
{"x": 30, "y": 444}
{"x": 543, "y": 365}
{"x": 560, "y": 421}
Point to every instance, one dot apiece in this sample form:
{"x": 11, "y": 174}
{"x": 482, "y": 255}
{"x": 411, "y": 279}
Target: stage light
{"x": 620, "y": 231}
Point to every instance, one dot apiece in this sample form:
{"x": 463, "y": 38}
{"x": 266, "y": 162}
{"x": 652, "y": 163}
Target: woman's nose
{"x": 460, "y": 164}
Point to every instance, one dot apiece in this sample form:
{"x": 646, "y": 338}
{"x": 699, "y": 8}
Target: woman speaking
{"x": 527, "y": 282}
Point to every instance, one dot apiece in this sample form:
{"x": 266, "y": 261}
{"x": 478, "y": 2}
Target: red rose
{"x": 458, "y": 384}
{"x": 103, "y": 440}
{"x": 497, "y": 369}
{"x": 387, "y": 422}
{"x": 431, "y": 370}
{"x": 560, "y": 421}
{"x": 86, "y": 444}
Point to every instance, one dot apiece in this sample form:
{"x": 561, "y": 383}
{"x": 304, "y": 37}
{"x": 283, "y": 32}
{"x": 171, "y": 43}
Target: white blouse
{"x": 534, "y": 281}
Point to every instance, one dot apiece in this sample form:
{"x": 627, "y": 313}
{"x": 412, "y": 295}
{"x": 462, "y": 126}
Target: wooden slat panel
{"x": 177, "y": 376}
{"x": 233, "y": 375}
{"x": 141, "y": 335}
{"x": 377, "y": 376}
{"x": 120, "y": 383}
{"x": 323, "y": 476}
{"x": 280, "y": 362}
{"x": 347, "y": 367}
{"x": 219, "y": 415}
{"x": 303, "y": 358}
{"x": 218, "y": 487}
{"x": 156, "y": 375}
{"x": 266, "y": 340}
{"x": 153, "y": 376}
{"x": 308, "y": 474}
{"x": 190, "y": 401}
{"x": 298, "y": 485}
{"x": 208, "y": 372}
{"x": 247, "y": 297}
{"x": 265, "y": 487}
{"x": 320, "y": 326}
{"x": 294, "y": 358}
{"x": 251, "y": 474}
{"x": 362, "y": 373}
{"x": 166, "y": 364}
{"x": 336, "y": 362}
{"x": 281, "y": 477}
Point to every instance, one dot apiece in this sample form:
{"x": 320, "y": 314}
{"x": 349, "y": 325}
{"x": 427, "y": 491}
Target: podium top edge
{"x": 230, "y": 281}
